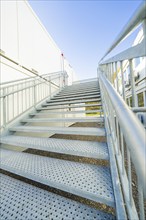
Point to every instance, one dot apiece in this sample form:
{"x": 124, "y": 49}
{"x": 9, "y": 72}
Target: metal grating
{"x": 75, "y": 119}
{"x": 56, "y": 99}
{"x": 86, "y": 180}
{"x": 23, "y": 201}
{"x": 59, "y": 96}
{"x": 65, "y": 112}
{"x": 89, "y": 149}
{"x": 77, "y": 92}
{"x": 72, "y": 102}
{"x": 67, "y": 106}
{"x": 61, "y": 130}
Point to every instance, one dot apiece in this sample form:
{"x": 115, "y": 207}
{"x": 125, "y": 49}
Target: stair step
{"x": 55, "y": 99}
{"x": 84, "y": 86}
{"x": 78, "y": 92}
{"x": 64, "y": 112}
{"x": 69, "y": 107}
{"x": 21, "y": 200}
{"x": 61, "y": 130}
{"x": 90, "y": 149}
{"x": 88, "y": 181}
{"x": 59, "y": 96}
{"x": 75, "y": 119}
{"x": 71, "y": 102}
{"x": 79, "y": 87}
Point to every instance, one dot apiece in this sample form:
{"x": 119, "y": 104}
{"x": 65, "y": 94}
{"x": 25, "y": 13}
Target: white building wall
{"x": 25, "y": 40}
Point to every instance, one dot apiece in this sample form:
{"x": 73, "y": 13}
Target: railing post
{"x": 34, "y": 89}
{"x": 114, "y": 69}
{"x": 122, "y": 76}
{"x": 106, "y": 72}
{"x": 4, "y": 108}
{"x": 65, "y": 79}
{"x": 117, "y": 78}
{"x": 144, "y": 28}
{"x": 50, "y": 86}
{"x": 134, "y": 97}
{"x": 60, "y": 82}
{"x": 110, "y": 72}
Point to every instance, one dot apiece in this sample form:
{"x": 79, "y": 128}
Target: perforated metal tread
{"x": 83, "y": 88}
{"x": 71, "y": 102}
{"x": 21, "y": 201}
{"x": 56, "y": 99}
{"x": 79, "y": 86}
{"x": 61, "y": 130}
{"x": 95, "y": 81}
{"x": 59, "y": 96}
{"x": 85, "y": 180}
{"x": 64, "y": 112}
{"x": 75, "y": 119}
{"x": 67, "y": 106}
{"x": 88, "y": 149}
{"x": 78, "y": 92}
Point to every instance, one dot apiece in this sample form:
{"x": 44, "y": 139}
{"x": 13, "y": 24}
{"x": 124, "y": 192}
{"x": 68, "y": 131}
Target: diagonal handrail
{"x": 134, "y": 21}
{"x": 29, "y": 70}
{"x": 132, "y": 129}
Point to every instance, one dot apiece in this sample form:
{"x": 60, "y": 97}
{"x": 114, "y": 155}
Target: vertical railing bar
{"x": 25, "y": 96}
{"x": 34, "y": 91}
{"x": 129, "y": 177}
{"x": 22, "y": 100}
{"x": 106, "y": 71}
{"x": 50, "y": 87}
{"x": 29, "y": 95}
{"x": 110, "y": 72}
{"x": 122, "y": 151}
{"x": 7, "y": 106}
{"x": 117, "y": 77}
{"x": 122, "y": 76}
{"x": 134, "y": 98}
{"x": 13, "y": 100}
{"x": 18, "y": 100}
{"x": 141, "y": 200}
{"x": 4, "y": 108}
{"x": 118, "y": 138}
{"x": 113, "y": 74}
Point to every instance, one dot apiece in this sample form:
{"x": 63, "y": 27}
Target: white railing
{"x": 125, "y": 134}
{"x": 19, "y": 96}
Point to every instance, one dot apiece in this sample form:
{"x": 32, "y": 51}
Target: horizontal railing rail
{"x": 130, "y": 53}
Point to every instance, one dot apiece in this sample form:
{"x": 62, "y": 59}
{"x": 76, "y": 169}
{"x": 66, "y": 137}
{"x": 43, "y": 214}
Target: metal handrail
{"x": 33, "y": 77}
{"x": 130, "y": 125}
{"x": 18, "y": 98}
{"x": 25, "y": 68}
{"x": 134, "y": 21}
{"x": 31, "y": 80}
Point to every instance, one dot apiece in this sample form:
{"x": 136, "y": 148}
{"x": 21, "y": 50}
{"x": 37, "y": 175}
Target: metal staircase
{"x": 76, "y": 152}
{"x": 85, "y": 180}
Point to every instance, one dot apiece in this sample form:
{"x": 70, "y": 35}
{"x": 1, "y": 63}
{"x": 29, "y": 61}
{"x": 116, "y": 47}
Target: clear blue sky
{"x": 84, "y": 30}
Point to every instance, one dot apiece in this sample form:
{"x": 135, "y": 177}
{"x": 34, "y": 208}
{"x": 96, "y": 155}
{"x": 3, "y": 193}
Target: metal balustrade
{"x": 123, "y": 184}
{"x": 19, "y": 96}
{"x": 125, "y": 134}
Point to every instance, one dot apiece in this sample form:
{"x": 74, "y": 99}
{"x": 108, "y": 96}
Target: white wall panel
{"x": 24, "y": 39}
